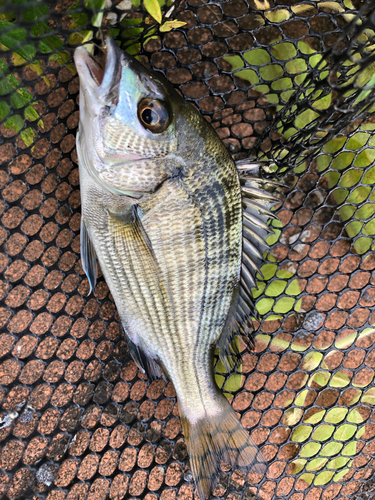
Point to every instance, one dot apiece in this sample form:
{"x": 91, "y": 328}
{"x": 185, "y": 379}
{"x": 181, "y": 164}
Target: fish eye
{"x": 153, "y": 115}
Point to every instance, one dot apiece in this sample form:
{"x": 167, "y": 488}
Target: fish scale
{"x": 218, "y": 239}
{"x": 162, "y": 212}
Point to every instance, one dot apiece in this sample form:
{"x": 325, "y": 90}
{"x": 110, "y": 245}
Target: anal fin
{"x": 88, "y": 257}
{"x": 145, "y": 363}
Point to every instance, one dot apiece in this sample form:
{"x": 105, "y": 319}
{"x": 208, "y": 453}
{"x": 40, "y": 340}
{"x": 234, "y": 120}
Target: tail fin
{"x": 216, "y": 438}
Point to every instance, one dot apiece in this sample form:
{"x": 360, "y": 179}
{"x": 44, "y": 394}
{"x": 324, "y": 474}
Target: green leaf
{"x": 235, "y": 61}
{"x": 234, "y": 383}
{"x": 277, "y": 16}
{"x": 4, "y": 110}
{"x": 324, "y": 477}
{"x": 316, "y": 464}
{"x": 276, "y": 288}
{"x": 257, "y": 57}
{"x": 336, "y": 415}
{"x": 357, "y": 141}
{"x": 170, "y": 25}
{"x": 305, "y": 118}
{"x": 323, "y": 102}
{"x": 343, "y": 160}
{"x": 345, "y": 432}
{"x": 257, "y": 292}
{"x": 339, "y": 379}
{"x": 249, "y": 75}
{"x": 287, "y": 272}
{"x": 332, "y": 448}
{"x": 20, "y": 98}
{"x": 79, "y": 20}
{"x": 334, "y": 145}
{"x": 268, "y": 270}
{"x": 15, "y": 122}
{"x": 369, "y": 228}
{"x": 319, "y": 380}
{"x": 355, "y": 417}
{"x": 365, "y": 158}
{"x": 308, "y": 477}
{"x": 293, "y": 288}
{"x": 311, "y": 361}
{"x": 30, "y": 114}
{"x": 323, "y": 432}
{"x": 31, "y": 14}
{"x": 365, "y": 212}
{"x": 301, "y": 433}
{"x": 346, "y": 340}
{"x": 369, "y": 397}
{"x": 284, "y": 305}
{"x": 40, "y": 29}
{"x": 28, "y": 136}
{"x": 351, "y": 177}
{"x": 346, "y": 212}
{"x": 359, "y": 194}
{"x": 314, "y": 416}
{"x": 338, "y": 462}
{"x": 323, "y": 162}
{"x": 302, "y": 45}
{"x": 297, "y": 465}
{"x": 310, "y": 449}
{"x": 153, "y": 8}
{"x": 369, "y": 177}
{"x": 219, "y": 379}
{"x": 339, "y": 195}
{"x": 50, "y": 44}
{"x": 279, "y": 344}
{"x": 331, "y": 178}
{"x": 350, "y": 449}
{"x": 341, "y": 475}
{"x": 284, "y": 51}
{"x": 262, "y": 340}
{"x": 271, "y": 71}
{"x": 264, "y": 306}
{"x": 362, "y": 245}
{"x": 296, "y": 66}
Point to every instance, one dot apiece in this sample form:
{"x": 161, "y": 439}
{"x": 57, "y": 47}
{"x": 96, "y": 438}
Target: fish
{"x": 179, "y": 230}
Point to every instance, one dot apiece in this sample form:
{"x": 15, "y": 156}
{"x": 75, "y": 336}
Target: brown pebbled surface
{"x": 87, "y": 423}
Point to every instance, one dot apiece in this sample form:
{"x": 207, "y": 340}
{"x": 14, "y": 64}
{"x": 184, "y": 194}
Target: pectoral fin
{"x": 88, "y": 257}
{"x": 133, "y": 249}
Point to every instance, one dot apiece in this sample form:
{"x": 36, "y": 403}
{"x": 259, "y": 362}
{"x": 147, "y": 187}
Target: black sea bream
{"x": 177, "y": 242}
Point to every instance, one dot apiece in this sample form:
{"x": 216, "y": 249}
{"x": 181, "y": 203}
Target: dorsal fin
{"x": 257, "y": 199}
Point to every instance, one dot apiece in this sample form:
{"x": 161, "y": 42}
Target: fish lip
{"x": 88, "y": 68}
{"x": 103, "y": 72}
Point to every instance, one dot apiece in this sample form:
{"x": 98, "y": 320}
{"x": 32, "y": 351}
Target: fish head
{"x": 128, "y": 116}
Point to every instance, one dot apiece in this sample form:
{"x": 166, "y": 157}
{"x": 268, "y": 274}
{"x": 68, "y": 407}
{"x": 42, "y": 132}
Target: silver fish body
{"x": 162, "y": 213}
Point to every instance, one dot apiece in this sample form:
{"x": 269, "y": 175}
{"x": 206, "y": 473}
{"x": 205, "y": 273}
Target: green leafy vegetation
{"x": 18, "y": 107}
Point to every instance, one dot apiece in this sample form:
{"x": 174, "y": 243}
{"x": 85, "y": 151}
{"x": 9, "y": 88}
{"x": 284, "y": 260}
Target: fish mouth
{"x": 97, "y": 66}
{"x": 101, "y": 72}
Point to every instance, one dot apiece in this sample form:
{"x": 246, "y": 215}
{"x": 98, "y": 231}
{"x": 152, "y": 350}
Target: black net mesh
{"x": 288, "y": 82}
